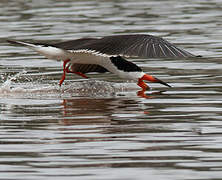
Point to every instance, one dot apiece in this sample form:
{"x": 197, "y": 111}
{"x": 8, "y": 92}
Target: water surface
{"x": 100, "y": 128}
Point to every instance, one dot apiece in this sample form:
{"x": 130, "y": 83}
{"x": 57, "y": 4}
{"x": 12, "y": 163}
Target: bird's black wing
{"x": 74, "y": 44}
{"x": 138, "y": 45}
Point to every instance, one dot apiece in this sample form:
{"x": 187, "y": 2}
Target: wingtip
{"x": 15, "y": 42}
{"x": 21, "y": 43}
{"x": 11, "y": 41}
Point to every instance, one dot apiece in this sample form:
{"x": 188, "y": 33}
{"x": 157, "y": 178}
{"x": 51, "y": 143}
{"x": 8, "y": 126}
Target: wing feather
{"x": 137, "y": 45}
{"x": 75, "y": 44}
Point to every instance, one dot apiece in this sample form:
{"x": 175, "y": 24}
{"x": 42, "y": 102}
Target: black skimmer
{"x": 107, "y": 54}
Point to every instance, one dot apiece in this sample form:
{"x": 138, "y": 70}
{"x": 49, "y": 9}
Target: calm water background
{"x": 101, "y": 129}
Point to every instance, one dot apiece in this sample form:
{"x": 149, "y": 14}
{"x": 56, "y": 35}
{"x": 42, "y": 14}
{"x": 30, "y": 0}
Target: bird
{"x": 108, "y": 54}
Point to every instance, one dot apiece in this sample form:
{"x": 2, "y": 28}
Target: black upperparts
{"x": 124, "y": 65}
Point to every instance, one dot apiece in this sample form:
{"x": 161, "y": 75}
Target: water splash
{"x": 6, "y": 87}
{"x": 96, "y": 88}
{"x": 15, "y": 86}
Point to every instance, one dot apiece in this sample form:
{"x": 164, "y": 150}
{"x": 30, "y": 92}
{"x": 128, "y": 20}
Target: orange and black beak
{"x": 150, "y": 78}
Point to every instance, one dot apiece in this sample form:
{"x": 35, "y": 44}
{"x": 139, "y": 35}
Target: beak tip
{"x": 163, "y": 83}
{"x": 169, "y": 86}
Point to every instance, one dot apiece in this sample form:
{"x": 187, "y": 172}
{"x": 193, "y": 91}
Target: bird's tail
{"x": 48, "y": 51}
{"x": 21, "y": 43}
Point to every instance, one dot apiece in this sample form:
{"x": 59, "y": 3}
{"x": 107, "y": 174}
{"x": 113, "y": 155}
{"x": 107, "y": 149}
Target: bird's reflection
{"x": 87, "y": 110}
{"x": 144, "y": 94}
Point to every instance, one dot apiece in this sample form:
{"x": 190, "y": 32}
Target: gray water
{"x": 100, "y": 128}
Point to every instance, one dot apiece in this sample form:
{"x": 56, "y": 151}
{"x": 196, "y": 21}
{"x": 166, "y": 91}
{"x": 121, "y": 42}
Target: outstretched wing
{"x": 75, "y": 44}
{"x": 138, "y": 45}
